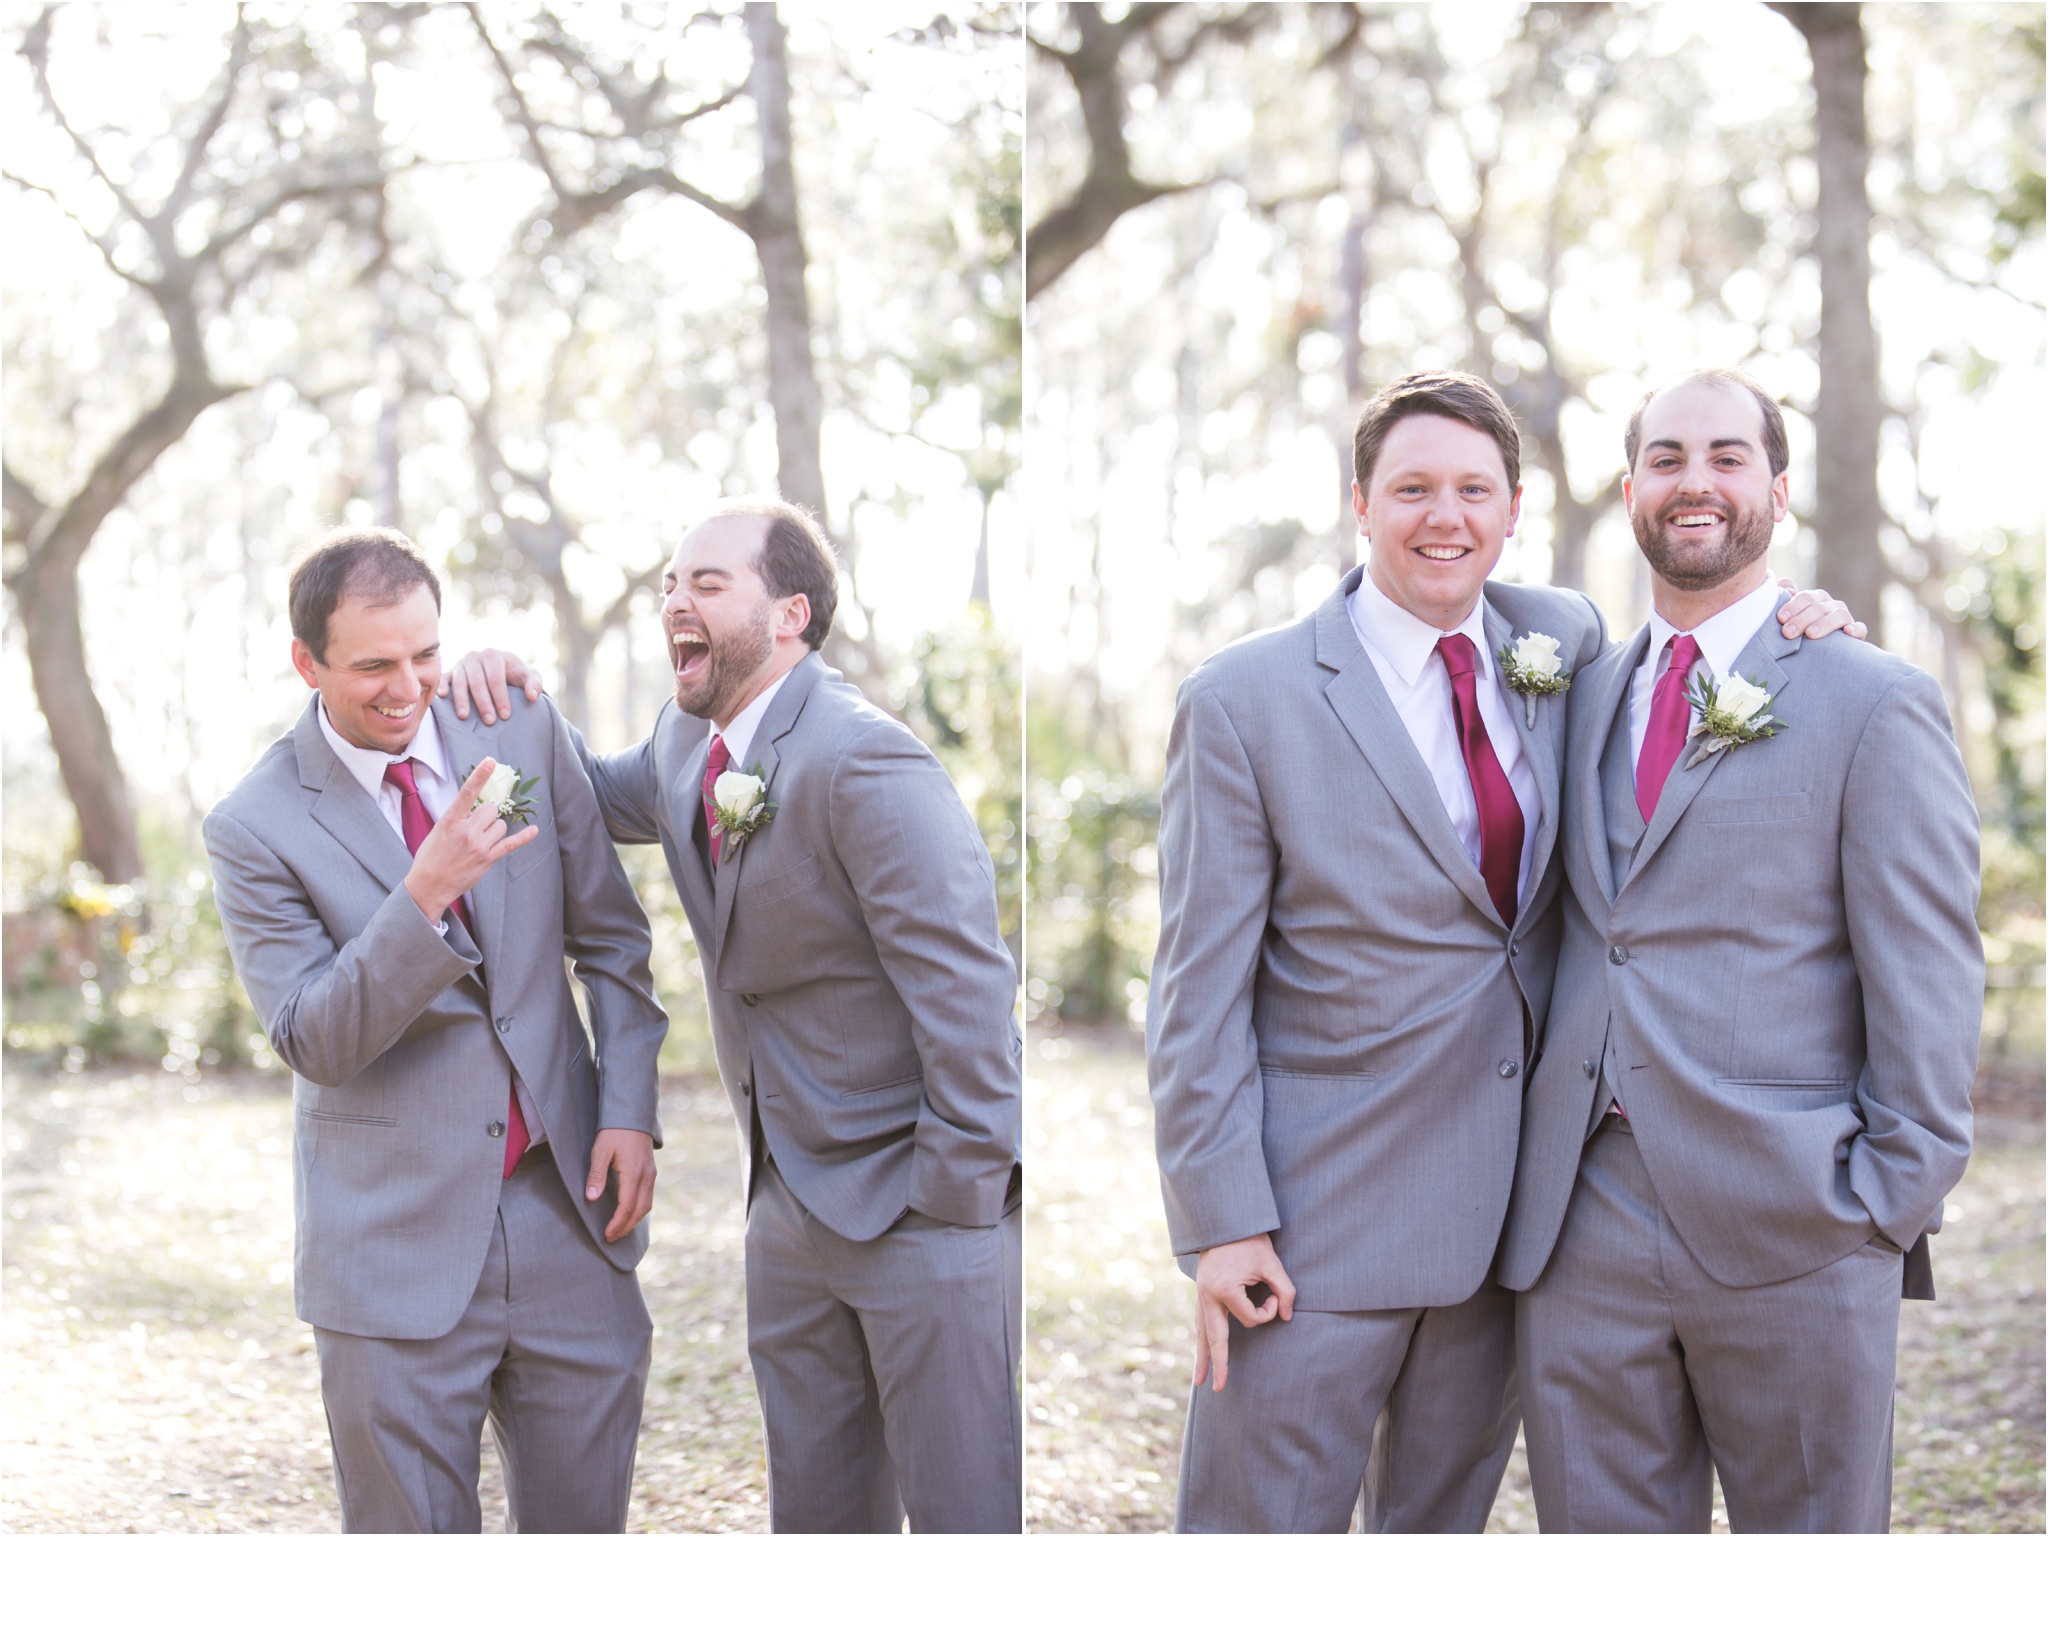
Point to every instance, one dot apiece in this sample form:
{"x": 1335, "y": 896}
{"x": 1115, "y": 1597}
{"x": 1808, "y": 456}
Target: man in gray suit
{"x": 1756, "y": 1090}
{"x": 471, "y": 1171}
{"x": 843, "y": 906}
{"x": 1357, "y": 940}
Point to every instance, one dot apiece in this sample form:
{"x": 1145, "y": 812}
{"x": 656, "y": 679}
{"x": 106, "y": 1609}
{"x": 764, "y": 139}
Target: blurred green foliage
{"x": 99, "y": 973}
{"x": 962, "y": 693}
{"x": 1092, "y": 832}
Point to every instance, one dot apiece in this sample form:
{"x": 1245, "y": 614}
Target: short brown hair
{"x": 378, "y": 565}
{"x": 1446, "y": 392}
{"x": 795, "y": 557}
{"x": 1776, "y": 449}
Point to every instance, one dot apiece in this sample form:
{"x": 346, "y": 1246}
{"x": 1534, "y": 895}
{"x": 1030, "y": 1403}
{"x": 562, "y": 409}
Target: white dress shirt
{"x": 1403, "y": 650}
{"x": 438, "y": 785}
{"x": 1721, "y": 638}
{"x": 739, "y": 732}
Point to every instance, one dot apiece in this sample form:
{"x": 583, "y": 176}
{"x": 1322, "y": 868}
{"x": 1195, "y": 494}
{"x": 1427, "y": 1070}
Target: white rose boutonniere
{"x": 1732, "y": 713}
{"x": 1531, "y": 667}
{"x": 511, "y": 794}
{"x": 739, "y": 804}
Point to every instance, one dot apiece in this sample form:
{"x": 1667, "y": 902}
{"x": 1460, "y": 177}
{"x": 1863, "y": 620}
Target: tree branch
{"x": 35, "y": 46}
{"x": 209, "y": 127}
{"x": 106, "y": 250}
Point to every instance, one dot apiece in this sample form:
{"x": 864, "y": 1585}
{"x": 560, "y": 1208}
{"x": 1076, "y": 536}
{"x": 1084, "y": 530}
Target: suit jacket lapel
{"x": 765, "y": 753}
{"x": 344, "y": 808}
{"x": 1759, "y": 661}
{"x": 1368, "y": 715}
{"x": 1540, "y": 745}
{"x": 686, "y": 801}
{"x": 1604, "y": 684}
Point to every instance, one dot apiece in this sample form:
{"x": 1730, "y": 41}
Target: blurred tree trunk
{"x": 778, "y": 240}
{"x": 1849, "y": 409}
{"x": 48, "y": 539}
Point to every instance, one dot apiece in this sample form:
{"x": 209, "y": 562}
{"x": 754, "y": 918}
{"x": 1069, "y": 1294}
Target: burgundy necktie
{"x": 1500, "y": 814}
{"x": 1670, "y": 718}
{"x": 714, "y": 764}
{"x": 416, "y": 825}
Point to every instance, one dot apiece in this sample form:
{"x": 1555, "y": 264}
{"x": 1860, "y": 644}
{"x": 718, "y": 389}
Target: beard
{"x": 730, "y": 664}
{"x": 1689, "y": 566}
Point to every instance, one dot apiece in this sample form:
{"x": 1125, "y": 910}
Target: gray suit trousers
{"x": 1642, "y": 1376}
{"x": 553, "y": 1348}
{"x": 1414, "y": 1410}
{"x": 887, "y": 1370}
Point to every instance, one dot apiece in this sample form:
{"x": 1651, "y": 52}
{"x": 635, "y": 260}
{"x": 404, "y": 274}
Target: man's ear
{"x": 302, "y": 662}
{"x": 1628, "y": 495}
{"x": 796, "y": 616}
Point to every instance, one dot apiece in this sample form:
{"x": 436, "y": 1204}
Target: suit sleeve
{"x": 927, "y": 892}
{"x": 606, "y": 937}
{"x": 627, "y": 787}
{"x": 1216, "y": 868}
{"x": 328, "y": 1010}
{"x": 1909, "y": 872}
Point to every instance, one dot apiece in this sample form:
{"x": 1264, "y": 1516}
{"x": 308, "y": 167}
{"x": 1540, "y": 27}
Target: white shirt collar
{"x": 1723, "y": 636}
{"x": 1405, "y": 641}
{"x": 739, "y": 732}
{"x": 367, "y": 766}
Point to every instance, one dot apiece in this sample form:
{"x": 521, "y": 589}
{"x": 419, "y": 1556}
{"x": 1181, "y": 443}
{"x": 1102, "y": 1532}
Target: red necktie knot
{"x": 1460, "y": 657}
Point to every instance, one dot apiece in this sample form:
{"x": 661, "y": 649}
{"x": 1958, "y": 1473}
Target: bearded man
{"x": 1755, "y": 1089}
{"x": 861, "y": 998}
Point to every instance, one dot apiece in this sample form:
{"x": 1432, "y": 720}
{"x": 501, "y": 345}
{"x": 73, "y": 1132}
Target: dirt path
{"x": 156, "y": 1380}
{"x": 1106, "y": 1368}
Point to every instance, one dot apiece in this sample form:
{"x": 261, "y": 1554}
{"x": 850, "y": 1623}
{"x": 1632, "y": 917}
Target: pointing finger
{"x": 472, "y": 787}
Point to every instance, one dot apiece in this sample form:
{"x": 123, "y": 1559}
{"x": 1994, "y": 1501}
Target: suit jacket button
{"x": 1514, "y": 948}
{"x": 1618, "y": 955}
{"x": 504, "y": 1025}
{"x": 750, "y": 999}
{"x": 1588, "y": 1066}
{"x": 1510, "y": 1068}
{"x": 746, "y": 1088}
{"x": 495, "y": 1128}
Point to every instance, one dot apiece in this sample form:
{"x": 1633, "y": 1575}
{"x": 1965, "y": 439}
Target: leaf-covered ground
{"x": 1106, "y": 1367}
{"x": 155, "y": 1379}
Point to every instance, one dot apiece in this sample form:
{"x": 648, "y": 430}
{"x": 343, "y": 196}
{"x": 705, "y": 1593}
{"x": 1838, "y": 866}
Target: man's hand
{"x": 631, "y": 1154}
{"x": 458, "y": 849}
{"x": 488, "y": 675}
{"x": 1811, "y": 613}
{"x": 1222, "y": 1277}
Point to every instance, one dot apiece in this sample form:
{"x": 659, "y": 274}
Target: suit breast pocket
{"x": 805, "y": 872}
{"x": 531, "y": 853}
{"x": 1787, "y": 807}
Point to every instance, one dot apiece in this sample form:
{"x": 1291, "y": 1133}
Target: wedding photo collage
{"x": 1035, "y": 769}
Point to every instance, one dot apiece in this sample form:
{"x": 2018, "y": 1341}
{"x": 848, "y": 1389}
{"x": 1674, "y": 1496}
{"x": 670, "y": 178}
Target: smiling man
{"x": 1756, "y": 1090}
{"x": 861, "y": 997}
{"x": 472, "y": 1168}
{"x": 1358, "y": 932}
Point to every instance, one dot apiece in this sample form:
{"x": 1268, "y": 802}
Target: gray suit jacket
{"x": 860, "y": 994}
{"x": 1783, "y": 982}
{"x": 1339, "y": 1020}
{"x": 402, "y": 1042}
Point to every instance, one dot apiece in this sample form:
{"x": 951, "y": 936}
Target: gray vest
{"x": 1625, "y": 832}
